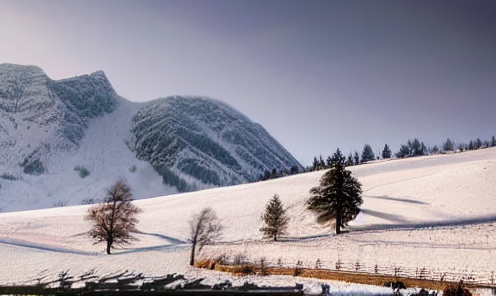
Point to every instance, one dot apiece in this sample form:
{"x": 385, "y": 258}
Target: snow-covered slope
{"x": 205, "y": 140}
{"x": 434, "y": 215}
{"x": 62, "y": 142}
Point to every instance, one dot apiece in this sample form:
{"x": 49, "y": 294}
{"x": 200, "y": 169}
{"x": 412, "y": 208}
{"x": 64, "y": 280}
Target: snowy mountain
{"x": 62, "y": 142}
{"x": 206, "y": 140}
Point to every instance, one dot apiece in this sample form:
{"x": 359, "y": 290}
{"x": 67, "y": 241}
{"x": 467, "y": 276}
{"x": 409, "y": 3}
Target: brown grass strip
{"x": 332, "y": 275}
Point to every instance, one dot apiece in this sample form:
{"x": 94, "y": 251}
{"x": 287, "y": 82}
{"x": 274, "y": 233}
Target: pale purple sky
{"x": 316, "y": 74}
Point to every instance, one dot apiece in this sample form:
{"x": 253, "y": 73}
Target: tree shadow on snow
{"x": 398, "y": 199}
{"x": 418, "y": 225}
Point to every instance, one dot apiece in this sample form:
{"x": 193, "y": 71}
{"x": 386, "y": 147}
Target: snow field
{"x": 436, "y": 213}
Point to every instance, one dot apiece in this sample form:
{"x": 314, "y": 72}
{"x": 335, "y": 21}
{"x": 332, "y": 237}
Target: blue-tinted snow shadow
{"x": 398, "y": 199}
{"x": 385, "y": 216}
{"x": 171, "y": 239}
{"x": 174, "y": 244}
{"x": 45, "y": 248}
{"x": 418, "y": 225}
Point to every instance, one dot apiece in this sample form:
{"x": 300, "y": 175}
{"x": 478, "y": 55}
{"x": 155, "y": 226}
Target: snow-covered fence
{"x": 397, "y": 270}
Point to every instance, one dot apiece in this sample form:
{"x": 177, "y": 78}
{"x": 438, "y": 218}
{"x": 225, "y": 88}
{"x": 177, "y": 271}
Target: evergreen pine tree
{"x": 337, "y": 157}
{"x": 315, "y": 164}
{"x": 367, "y": 153}
{"x": 274, "y": 218}
{"x": 417, "y": 148}
{"x": 338, "y": 196}
{"x": 349, "y": 161}
{"x": 321, "y": 163}
{"x": 356, "y": 158}
{"x": 493, "y": 142}
{"x": 328, "y": 162}
{"x": 478, "y": 143}
{"x": 386, "y": 152}
{"x": 448, "y": 145}
{"x": 403, "y": 152}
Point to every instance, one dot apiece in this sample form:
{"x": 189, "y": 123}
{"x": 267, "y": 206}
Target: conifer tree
{"x": 386, "y": 152}
{"x": 403, "y": 152}
{"x": 448, "y": 145}
{"x": 478, "y": 143}
{"x": 336, "y": 157}
{"x": 356, "y": 158}
{"x": 367, "y": 153}
{"x": 338, "y": 196}
{"x": 274, "y": 218}
{"x": 349, "y": 161}
{"x": 493, "y": 142}
{"x": 315, "y": 164}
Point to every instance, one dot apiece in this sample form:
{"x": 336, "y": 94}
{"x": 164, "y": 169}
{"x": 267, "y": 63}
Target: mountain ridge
{"x": 50, "y": 130}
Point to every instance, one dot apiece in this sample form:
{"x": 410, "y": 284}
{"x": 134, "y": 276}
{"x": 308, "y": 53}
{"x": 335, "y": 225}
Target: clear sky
{"x": 316, "y": 74}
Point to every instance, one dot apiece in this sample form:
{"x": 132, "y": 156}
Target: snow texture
{"x": 62, "y": 142}
{"x": 431, "y": 217}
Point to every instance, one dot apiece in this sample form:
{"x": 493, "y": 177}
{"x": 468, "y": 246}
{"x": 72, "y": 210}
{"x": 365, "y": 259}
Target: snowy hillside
{"x": 62, "y": 142}
{"x": 433, "y": 214}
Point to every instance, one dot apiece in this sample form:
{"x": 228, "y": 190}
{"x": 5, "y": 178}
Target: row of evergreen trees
{"x": 412, "y": 148}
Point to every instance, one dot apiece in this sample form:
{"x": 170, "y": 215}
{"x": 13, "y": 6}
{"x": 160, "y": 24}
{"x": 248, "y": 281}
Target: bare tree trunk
{"x": 192, "y": 258}
{"x": 338, "y": 221}
{"x": 109, "y": 245}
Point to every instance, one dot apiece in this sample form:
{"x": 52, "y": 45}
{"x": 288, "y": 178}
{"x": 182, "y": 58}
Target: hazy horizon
{"x": 317, "y": 74}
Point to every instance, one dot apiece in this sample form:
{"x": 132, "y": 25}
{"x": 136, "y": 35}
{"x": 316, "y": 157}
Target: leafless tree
{"x": 114, "y": 220}
{"x": 205, "y": 229}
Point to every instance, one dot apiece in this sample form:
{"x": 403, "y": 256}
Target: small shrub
{"x": 264, "y": 269}
{"x": 222, "y": 259}
{"x": 239, "y": 259}
{"x": 246, "y": 268}
{"x": 339, "y": 264}
{"x": 279, "y": 262}
{"x": 132, "y": 169}
{"x": 318, "y": 264}
{"x": 298, "y": 268}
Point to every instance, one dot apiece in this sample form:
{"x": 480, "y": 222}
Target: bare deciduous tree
{"x": 114, "y": 220}
{"x": 205, "y": 229}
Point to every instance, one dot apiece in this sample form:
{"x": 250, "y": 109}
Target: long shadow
{"x": 385, "y": 216}
{"x": 169, "y": 238}
{"x": 154, "y": 248}
{"x": 45, "y": 248}
{"x": 428, "y": 224}
{"x": 398, "y": 199}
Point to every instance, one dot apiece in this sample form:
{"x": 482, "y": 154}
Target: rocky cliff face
{"x": 64, "y": 141}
